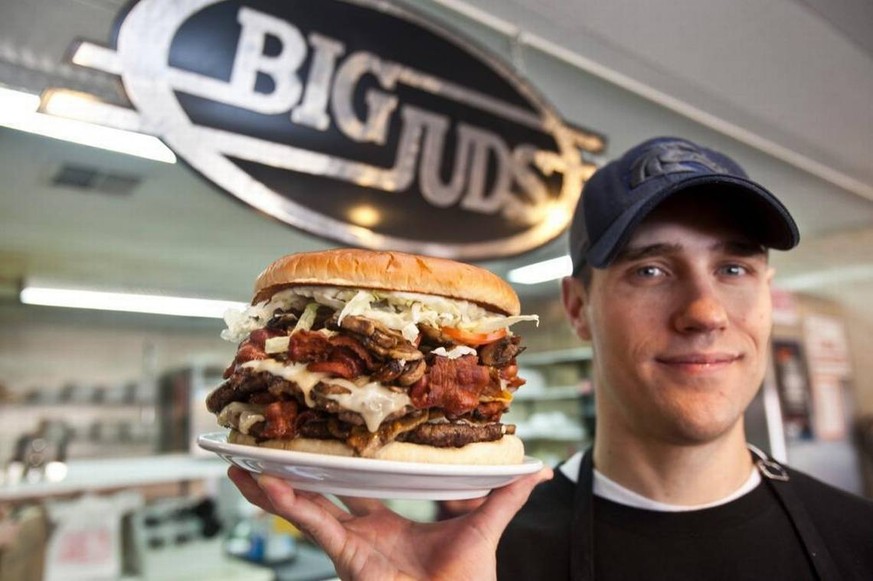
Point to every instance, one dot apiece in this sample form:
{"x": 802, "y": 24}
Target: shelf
{"x": 552, "y": 425}
{"x": 108, "y": 410}
{"x": 552, "y": 436}
{"x": 568, "y": 355}
{"x": 93, "y": 475}
{"x": 555, "y": 438}
{"x": 548, "y": 394}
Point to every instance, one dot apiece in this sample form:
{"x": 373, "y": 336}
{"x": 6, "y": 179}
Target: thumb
{"x": 502, "y": 504}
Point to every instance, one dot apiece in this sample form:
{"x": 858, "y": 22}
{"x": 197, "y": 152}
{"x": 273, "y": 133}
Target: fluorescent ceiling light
{"x": 133, "y": 303}
{"x": 19, "y": 111}
{"x": 18, "y": 101}
{"x": 542, "y": 271}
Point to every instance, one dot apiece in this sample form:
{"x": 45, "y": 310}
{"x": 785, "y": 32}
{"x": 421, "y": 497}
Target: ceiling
{"x": 788, "y": 80}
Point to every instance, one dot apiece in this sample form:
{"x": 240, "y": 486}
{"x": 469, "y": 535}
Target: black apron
{"x": 773, "y": 473}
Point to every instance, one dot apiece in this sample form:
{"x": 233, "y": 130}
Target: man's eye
{"x": 734, "y": 270}
{"x": 649, "y": 271}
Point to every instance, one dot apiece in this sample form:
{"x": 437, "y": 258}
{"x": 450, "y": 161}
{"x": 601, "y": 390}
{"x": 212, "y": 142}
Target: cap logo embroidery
{"x": 668, "y": 158}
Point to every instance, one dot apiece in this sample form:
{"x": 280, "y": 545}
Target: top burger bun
{"x": 392, "y": 271}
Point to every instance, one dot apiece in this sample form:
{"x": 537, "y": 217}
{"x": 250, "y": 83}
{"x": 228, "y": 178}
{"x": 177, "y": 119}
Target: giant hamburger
{"x": 375, "y": 354}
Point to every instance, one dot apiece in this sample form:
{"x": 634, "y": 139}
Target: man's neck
{"x": 673, "y": 474}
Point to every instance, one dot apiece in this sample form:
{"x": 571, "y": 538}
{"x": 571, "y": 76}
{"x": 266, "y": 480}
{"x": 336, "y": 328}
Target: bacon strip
{"x": 454, "y": 385}
{"x": 352, "y": 344}
{"x": 307, "y": 346}
{"x": 252, "y": 348}
{"x": 340, "y": 363}
{"x": 279, "y": 419}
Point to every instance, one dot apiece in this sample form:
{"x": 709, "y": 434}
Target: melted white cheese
{"x": 295, "y": 372}
{"x": 372, "y": 400}
{"x": 245, "y": 415}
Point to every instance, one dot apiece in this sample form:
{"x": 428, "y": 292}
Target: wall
{"x": 860, "y": 331}
{"x": 54, "y": 365}
{"x": 49, "y": 355}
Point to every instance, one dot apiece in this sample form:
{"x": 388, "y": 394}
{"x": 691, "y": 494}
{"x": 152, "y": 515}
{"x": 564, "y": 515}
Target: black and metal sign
{"x": 354, "y": 120}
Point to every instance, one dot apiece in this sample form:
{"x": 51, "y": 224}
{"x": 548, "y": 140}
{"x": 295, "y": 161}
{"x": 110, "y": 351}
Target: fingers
{"x": 362, "y": 506}
{"x": 502, "y": 504}
{"x": 324, "y": 503}
{"x": 313, "y": 514}
{"x": 249, "y": 488}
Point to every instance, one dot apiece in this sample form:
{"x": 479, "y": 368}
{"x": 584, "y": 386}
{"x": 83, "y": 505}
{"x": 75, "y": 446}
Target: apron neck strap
{"x": 779, "y": 481}
{"x": 773, "y": 473}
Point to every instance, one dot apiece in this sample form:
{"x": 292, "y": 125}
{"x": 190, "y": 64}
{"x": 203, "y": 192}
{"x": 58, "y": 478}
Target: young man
{"x": 671, "y": 285}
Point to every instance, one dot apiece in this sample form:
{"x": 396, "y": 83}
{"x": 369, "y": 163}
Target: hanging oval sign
{"x": 354, "y": 120}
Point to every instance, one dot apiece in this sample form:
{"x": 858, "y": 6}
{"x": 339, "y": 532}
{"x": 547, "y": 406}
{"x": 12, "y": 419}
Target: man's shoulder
{"x": 844, "y": 521}
{"x": 817, "y": 492}
{"x": 536, "y": 543}
{"x": 550, "y": 501}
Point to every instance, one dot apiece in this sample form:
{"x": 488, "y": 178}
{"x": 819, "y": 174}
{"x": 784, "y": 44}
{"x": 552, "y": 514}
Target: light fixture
{"x": 127, "y": 302}
{"x": 18, "y": 111}
{"x": 18, "y": 101}
{"x": 364, "y": 215}
{"x": 541, "y": 271}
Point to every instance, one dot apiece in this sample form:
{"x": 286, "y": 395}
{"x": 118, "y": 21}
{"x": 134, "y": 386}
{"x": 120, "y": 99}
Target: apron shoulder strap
{"x": 778, "y": 479}
{"x": 582, "y": 530}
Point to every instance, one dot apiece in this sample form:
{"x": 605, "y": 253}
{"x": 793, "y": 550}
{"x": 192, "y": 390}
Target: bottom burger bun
{"x": 328, "y": 447}
{"x": 507, "y": 450}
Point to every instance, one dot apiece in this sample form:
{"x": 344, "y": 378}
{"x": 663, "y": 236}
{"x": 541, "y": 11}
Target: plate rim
{"x": 217, "y": 442}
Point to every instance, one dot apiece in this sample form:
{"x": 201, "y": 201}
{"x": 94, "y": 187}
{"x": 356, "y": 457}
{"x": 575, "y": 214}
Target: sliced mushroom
{"x": 384, "y": 342}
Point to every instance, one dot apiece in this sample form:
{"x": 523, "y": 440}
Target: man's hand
{"x": 369, "y": 541}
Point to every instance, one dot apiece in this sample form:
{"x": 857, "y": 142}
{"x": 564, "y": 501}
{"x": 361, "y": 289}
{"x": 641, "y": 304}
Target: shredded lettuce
{"x": 494, "y": 323}
{"x": 359, "y": 305}
{"x": 400, "y": 311}
{"x": 304, "y": 323}
{"x": 456, "y": 352}
{"x": 240, "y": 324}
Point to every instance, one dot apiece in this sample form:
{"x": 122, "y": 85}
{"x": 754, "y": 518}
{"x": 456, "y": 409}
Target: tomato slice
{"x": 470, "y": 338}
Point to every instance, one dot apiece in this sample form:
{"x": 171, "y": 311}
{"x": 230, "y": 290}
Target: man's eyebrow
{"x": 742, "y": 248}
{"x": 630, "y": 253}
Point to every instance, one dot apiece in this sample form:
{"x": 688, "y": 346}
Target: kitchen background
{"x": 786, "y": 87}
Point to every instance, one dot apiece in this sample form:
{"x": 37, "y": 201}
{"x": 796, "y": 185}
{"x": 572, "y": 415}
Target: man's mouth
{"x": 699, "y": 361}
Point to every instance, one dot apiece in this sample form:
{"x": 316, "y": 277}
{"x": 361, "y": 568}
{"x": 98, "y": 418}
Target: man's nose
{"x": 701, "y": 309}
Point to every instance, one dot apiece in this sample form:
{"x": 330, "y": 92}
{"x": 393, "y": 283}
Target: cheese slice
{"x": 371, "y": 399}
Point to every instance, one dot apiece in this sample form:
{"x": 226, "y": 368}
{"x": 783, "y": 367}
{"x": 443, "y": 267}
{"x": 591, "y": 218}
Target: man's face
{"x": 679, "y": 324}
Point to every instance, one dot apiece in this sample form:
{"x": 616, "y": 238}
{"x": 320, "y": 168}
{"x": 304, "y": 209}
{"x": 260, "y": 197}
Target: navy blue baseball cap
{"x": 619, "y": 195}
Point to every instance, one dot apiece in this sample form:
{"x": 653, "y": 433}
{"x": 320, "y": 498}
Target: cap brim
{"x": 771, "y": 222}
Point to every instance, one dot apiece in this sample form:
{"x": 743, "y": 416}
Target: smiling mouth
{"x": 700, "y": 361}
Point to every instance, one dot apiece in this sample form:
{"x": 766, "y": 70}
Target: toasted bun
{"x": 393, "y": 271}
{"x": 507, "y": 450}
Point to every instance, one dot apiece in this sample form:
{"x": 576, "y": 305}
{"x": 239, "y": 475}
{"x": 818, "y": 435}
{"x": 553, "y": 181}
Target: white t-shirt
{"x": 611, "y": 490}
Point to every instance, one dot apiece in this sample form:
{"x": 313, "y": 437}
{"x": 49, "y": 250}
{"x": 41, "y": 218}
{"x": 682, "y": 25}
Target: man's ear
{"x": 575, "y": 298}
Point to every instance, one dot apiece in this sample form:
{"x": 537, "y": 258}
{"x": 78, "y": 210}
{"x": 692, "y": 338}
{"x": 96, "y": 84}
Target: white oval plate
{"x": 366, "y": 477}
